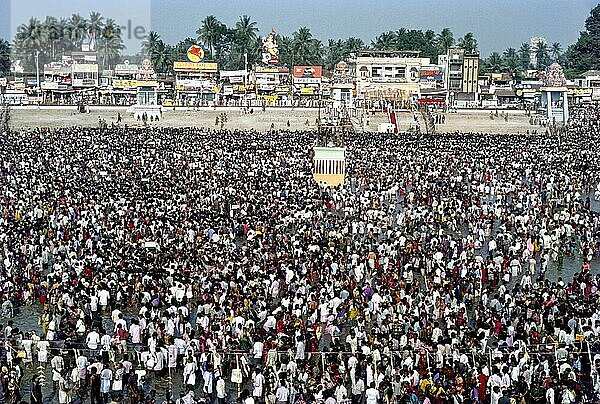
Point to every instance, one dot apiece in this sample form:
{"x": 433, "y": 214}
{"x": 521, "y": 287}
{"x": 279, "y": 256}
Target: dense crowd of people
{"x": 194, "y": 265}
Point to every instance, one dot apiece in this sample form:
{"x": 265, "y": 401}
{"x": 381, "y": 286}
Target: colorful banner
{"x": 201, "y": 67}
{"x": 308, "y": 72}
{"x": 434, "y": 73}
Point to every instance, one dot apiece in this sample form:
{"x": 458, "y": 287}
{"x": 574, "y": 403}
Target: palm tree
{"x": 4, "y": 56}
{"x": 445, "y": 40}
{"x": 352, "y": 45}
{"x": 28, "y": 41}
{"x": 285, "y": 49}
{"x": 52, "y": 34}
{"x": 245, "y": 37}
{"x": 401, "y": 39}
{"x": 385, "y": 41}
{"x": 210, "y": 32}
{"x": 511, "y": 61}
{"x": 468, "y": 42}
{"x": 95, "y": 27}
{"x": 429, "y": 47}
{"x": 525, "y": 55}
{"x": 306, "y": 49}
{"x": 110, "y": 42}
{"x": 494, "y": 63}
{"x": 78, "y": 29}
{"x": 63, "y": 42}
{"x": 162, "y": 57}
{"x": 151, "y": 43}
{"x": 541, "y": 55}
{"x": 333, "y": 53}
{"x": 556, "y": 50}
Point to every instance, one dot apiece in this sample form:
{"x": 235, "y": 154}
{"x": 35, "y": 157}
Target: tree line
{"x": 228, "y": 46}
{"x": 53, "y": 37}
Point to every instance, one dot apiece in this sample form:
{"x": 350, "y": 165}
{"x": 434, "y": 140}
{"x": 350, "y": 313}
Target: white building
{"x": 388, "y": 75}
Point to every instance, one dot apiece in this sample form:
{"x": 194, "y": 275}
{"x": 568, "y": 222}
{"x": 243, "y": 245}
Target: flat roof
{"x": 364, "y": 52}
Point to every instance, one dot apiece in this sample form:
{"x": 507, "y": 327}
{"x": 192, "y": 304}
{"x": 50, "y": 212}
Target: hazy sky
{"x": 497, "y": 24}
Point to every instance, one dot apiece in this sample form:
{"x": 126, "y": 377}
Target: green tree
{"x": 245, "y": 41}
{"x": 77, "y": 28}
{"x": 525, "y": 56}
{"x": 429, "y": 46}
{"x": 306, "y": 49}
{"x": 28, "y": 41}
{"x": 52, "y": 36}
{"x": 284, "y": 44}
{"x": 510, "y": 59}
{"x": 211, "y": 33}
{"x": 337, "y": 50}
{"x": 385, "y": 41}
{"x": 160, "y": 54}
{"x": 445, "y": 40}
{"x": 95, "y": 27}
{"x": 4, "y": 57}
{"x": 110, "y": 43}
{"x": 352, "y": 45}
{"x": 494, "y": 63}
{"x": 333, "y": 53}
{"x": 468, "y": 42}
{"x": 556, "y": 51}
{"x": 542, "y": 56}
{"x": 585, "y": 53}
{"x": 151, "y": 43}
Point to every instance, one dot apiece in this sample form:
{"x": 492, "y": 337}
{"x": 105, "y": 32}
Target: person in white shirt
{"x": 341, "y": 393}
{"x": 358, "y": 389}
{"x": 258, "y": 384}
{"x": 92, "y": 340}
{"x": 103, "y": 298}
{"x": 221, "y": 393}
{"x": 282, "y": 393}
{"x": 258, "y": 352}
{"x": 57, "y": 364}
{"x": 550, "y": 395}
{"x": 189, "y": 372}
{"x": 372, "y": 394}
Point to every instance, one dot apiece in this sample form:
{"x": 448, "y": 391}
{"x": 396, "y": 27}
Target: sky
{"x": 497, "y": 24}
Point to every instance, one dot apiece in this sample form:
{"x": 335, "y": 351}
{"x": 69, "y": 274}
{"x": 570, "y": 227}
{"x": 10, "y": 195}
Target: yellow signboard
{"x": 307, "y": 91}
{"x": 580, "y": 91}
{"x": 203, "y": 67}
{"x": 125, "y": 83}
